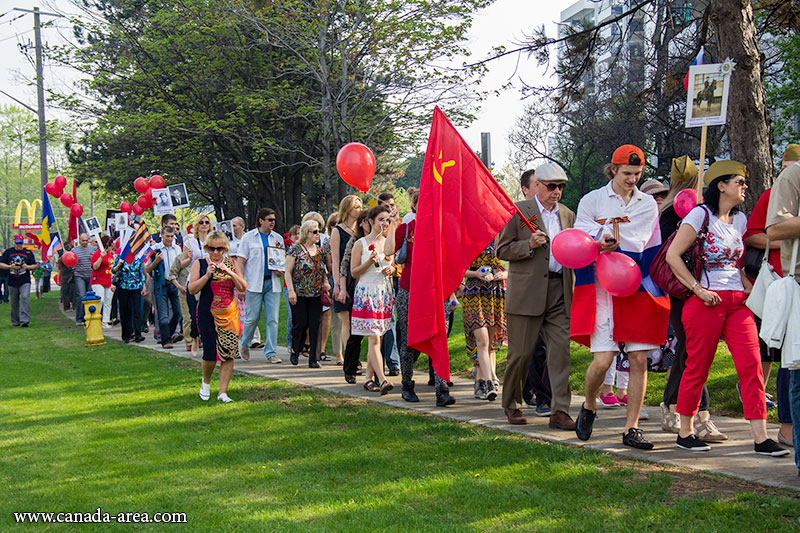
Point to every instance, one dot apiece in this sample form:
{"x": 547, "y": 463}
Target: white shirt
{"x": 196, "y": 248}
{"x": 552, "y": 223}
{"x": 168, "y": 255}
{"x": 233, "y": 246}
{"x": 604, "y": 204}
{"x": 252, "y": 249}
{"x": 409, "y": 217}
{"x": 723, "y": 249}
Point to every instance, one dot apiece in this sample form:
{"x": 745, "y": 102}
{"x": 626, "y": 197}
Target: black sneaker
{"x": 24, "y": 325}
{"x": 692, "y": 443}
{"x": 583, "y": 425}
{"x": 635, "y": 439}
{"x": 770, "y": 447}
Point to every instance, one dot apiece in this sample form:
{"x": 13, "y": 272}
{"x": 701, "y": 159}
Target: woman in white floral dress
{"x": 373, "y": 300}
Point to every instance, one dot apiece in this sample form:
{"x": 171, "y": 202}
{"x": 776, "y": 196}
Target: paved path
{"x": 734, "y": 457}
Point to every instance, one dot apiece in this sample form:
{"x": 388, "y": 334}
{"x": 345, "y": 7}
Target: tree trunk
{"x": 748, "y": 118}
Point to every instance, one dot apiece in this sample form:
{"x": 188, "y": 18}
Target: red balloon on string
{"x": 145, "y": 200}
{"x": 51, "y": 189}
{"x": 60, "y": 182}
{"x": 70, "y": 259}
{"x": 618, "y": 274}
{"x": 141, "y": 185}
{"x": 125, "y": 207}
{"x": 157, "y": 182}
{"x": 67, "y": 200}
{"x": 574, "y": 248}
{"x": 76, "y": 210}
{"x": 137, "y": 209}
{"x": 356, "y": 165}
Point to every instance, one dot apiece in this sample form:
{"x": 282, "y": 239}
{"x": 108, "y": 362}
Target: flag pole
{"x": 525, "y": 220}
{"x": 703, "y": 136}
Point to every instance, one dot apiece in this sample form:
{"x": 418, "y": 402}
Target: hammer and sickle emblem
{"x": 438, "y": 174}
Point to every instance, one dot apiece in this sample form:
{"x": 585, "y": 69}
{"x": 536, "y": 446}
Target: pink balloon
{"x": 618, "y": 274}
{"x": 156, "y": 182}
{"x": 60, "y": 182}
{"x": 685, "y": 201}
{"x": 574, "y": 248}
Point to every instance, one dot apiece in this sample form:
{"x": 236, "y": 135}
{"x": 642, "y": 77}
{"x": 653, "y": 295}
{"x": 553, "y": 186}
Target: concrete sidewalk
{"x": 734, "y": 457}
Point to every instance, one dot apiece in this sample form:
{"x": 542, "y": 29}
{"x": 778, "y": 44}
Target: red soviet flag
{"x": 461, "y": 209}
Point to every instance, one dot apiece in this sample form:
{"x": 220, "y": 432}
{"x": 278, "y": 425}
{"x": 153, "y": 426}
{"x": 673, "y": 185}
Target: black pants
{"x": 130, "y": 305}
{"x": 538, "y": 383}
{"x": 674, "y": 380}
{"x": 306, "y": 315}
{"x": 114, "y": 305}
{"x": 352, "y": 354}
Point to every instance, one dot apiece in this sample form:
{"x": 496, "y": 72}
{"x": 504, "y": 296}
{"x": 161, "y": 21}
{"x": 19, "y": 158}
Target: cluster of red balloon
{"x": 56, "y": 190}
{"x": 356, "y": 165}
{"x": 145, "y": 200}
{"x": 616, "y": 272}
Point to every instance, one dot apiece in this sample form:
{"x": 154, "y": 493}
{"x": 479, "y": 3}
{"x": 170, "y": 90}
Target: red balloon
{"x": 57, "y": 279}
{"x": 51, "y": 189}
{"x": 76, "y": 210}
{"x": 157, "y": 182}
{"x": 67, "y": 200}
{"x": 574, "y": 248}
{"x": 70, "y": 259}
{"x": 145, "y": 200}
{"x": 685, "y": 201}
{"x": 356, "y": 165}
{"x": 141, "y": 185}
{"x": 137, "y": 209}
{"x": 125, "y": 207}
{"x": 60, "y": 182}
{"x": 618, "y": 274}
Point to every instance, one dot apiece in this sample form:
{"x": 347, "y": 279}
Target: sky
{"x": 505, "y": 22}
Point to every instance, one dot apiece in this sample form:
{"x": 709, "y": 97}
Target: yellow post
{"x": 93, "y": 320}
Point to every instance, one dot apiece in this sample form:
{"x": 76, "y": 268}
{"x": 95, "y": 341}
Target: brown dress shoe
{"x": 561, "y": 420}
{"x": 515, "y": 416}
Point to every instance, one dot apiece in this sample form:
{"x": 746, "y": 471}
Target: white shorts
{"x": 602, "y": 339}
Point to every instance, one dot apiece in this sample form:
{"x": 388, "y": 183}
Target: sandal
{"x": 371, "y": 386}
{"x": 385, "y": 387}
{"x": 324, "y": 357}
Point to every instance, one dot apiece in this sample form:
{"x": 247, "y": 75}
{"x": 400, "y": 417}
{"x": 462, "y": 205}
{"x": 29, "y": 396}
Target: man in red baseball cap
{"x": 19, "y": 262}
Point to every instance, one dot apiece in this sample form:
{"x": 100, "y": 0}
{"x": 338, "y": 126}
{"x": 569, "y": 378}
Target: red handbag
{"x": 694, "y": 259}
{"x": 326, "y": 298}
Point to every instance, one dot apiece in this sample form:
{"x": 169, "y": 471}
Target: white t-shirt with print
{"x": 723, "y": 249}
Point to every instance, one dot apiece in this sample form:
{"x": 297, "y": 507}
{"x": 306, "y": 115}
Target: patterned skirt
{"x": 372, "y": 306}
{"x": 483, "y": 307}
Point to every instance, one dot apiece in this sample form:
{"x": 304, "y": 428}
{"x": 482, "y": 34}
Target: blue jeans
{"x": 794, "y": 401}
{"x": 390, "y": 357}
{"x": 289, "y": 321}
{"x": 272, "y": 306}
{"x": 82, "y": 286}
{"x": 782, "y": 393}
{"x": 167, "y": 295}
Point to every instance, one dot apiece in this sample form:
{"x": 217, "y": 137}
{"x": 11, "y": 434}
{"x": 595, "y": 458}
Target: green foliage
{"x": 783, "y": 93}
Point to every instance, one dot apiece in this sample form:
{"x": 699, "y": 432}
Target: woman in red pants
{"x": 716, "y": 307}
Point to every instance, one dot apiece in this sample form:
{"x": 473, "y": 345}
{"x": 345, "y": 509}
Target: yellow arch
{"x": 31, "y": 211}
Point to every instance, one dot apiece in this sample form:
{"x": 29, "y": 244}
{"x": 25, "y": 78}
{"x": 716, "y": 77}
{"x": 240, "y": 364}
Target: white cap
{"x": 550, "y": 172}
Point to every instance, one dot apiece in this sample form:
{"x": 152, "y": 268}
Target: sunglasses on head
{"x": 553, "y": 186}
{"x": 216, "y": 248}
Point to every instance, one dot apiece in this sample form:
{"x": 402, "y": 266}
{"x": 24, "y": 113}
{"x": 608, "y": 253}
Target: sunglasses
{"x": 740, "y": 182}
{"x": 553, "y": 186}
{"x": 216, "y": 248}
{"x": 661, "y": 195}
{"x": 270, "y": 220}
{"x": 204, "y": 222}
{"x": 315, "y": 232}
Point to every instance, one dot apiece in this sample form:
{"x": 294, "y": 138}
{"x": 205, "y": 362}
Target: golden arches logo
{"x": 31, "y": 211}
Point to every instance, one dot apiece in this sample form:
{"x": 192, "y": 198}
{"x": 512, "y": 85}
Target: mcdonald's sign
{"x": 32, "y": 225}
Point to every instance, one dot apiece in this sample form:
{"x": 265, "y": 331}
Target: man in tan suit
{"x": 539, "y": 295}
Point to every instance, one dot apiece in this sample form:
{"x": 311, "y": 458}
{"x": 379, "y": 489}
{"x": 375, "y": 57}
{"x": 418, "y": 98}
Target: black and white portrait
{"x": 162, "y": 205}
{"x": 227, "y": 228}
{"x": 178, "y": 196}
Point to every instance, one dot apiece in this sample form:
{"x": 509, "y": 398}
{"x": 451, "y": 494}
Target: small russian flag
{"x": 699, "y": 60}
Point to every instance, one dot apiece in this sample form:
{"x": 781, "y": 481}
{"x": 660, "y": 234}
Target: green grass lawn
{"x": 721, "y": 381}
{"x": 121, "y": 428}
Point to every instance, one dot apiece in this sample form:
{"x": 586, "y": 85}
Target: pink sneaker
{"x": 609, "y": 400}
{"x": 623, "y": 400}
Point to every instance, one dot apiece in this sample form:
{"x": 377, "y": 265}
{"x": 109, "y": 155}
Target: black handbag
{"x": 753, "y": 257}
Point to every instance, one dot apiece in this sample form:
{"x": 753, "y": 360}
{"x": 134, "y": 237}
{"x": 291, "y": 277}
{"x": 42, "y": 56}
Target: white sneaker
{"x": 245, "y": 353}
{"x": 643, "y": 414}
{"x": 274, "y": 359}
{"x": 224, "y": 398}
{"x": 205, "y": 391}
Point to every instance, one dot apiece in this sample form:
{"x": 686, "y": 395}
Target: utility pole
{"x": 37, "y": 25}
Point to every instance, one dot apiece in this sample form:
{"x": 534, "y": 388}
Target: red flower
{"x": 371, "y": 247}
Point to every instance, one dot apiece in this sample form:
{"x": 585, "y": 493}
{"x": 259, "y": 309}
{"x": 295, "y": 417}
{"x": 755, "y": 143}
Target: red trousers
{"x": 734, "y": 322}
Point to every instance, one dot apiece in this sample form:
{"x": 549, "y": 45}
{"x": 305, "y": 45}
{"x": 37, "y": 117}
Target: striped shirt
{"x": 84, "y": 267}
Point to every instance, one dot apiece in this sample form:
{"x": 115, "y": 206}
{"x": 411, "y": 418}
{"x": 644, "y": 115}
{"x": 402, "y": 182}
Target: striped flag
{"x": 135, "y": 244}
{"x": 699, "y": 60}
{"x": 55, "y": 245}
